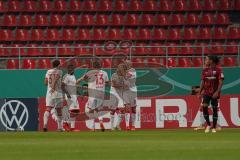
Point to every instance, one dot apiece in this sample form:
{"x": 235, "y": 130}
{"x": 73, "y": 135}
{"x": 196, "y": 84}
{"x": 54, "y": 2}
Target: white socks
{"x": 59, "y": 122}
{"x": 120, "y": 117}
{"x": 45, "y": 119}
{"x": 127, "y": 119}
{"x": 133, "y": 116}
{"x": 112, "y": 120}
{"x": 72, "y": 122}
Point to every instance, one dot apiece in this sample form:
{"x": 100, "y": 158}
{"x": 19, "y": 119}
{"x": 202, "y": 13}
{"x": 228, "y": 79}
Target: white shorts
{"x": 72, "y": 103}
{"x": 130, "y": 97}
{"x": 54, "y": 100}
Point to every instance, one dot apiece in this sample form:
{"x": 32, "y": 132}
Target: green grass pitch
{"x": 180, "y": 144}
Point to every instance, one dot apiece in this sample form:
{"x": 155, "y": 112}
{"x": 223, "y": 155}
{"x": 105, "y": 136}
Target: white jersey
{"x": 96, "y": 83}
{"x": 131, "y": 78}
{"x": 70, "y": 83}
{"x": 53, "y": 75}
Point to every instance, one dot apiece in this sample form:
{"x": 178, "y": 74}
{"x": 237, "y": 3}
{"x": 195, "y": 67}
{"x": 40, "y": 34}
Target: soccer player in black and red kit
{"x": 210, "y": 87}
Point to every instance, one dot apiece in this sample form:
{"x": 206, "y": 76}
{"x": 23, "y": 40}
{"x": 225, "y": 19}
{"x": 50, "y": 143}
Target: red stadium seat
{"x": 68, "y": 35}
{"x": 22, "y": 35}
{"x": 3, "y": 51}
{"x": 102, "y": 19}
{"x": 184, "y": 62}
{"x": 89, "y": 5}
{"x": 37, "y": 35}
{"x": 131, "y": 19}
{"x": 48, "y": 50}
{"x": 52, "y": 35}
{"x": 64, "y": 49}
{"x": 96, "y": 49}
{"x": 56, "y": 20}
{"x": 9, "y": 20}
{"x": 147, "y": 19}
{"x": 217, "y": 48}
{"x": 159, "y": 34}
{"x": 114, "y": 34}
{"x": 189, "y": 34}
{"x": 28, "y": 64}
{"x": 30, "y": 6}
{"x": 232, "y": 48}
{"x": 107, "y": 63}
{"x": 6, "y": 35}
{"x": 144, "y": 34}
{"x": 192, "y": 19}
{"x": 33, "y": 50}
{"x": 25, "y": 20}
{"x": 177, "y": 19}
{"x": 121, "y": 5}
{"x": 138, "y": 62}
{"x": 105, "y": 5}
{"x": 174, "y": 34}
{"x": 156, "y": 49}
{"x": 99, "y": 34}
{"x": 237, "y": 5}
{"x": 153, "y": 62}
{"x": 197, "y": 62}
{"x": 224, "y": 5}
{"x": 41, "y": 20}
{"x": 2, "y": 6}
{"x": 135, "y": 5}
{"x": 229, "y": 61}
{"x": 222, "y": 18}
{"x": 44, "y": 63}
{"x": 140, "y": 49}
{"x": 87, "y": 19}
{"x": 180, "y": 5}
{"x": 172, "y": 49}
{"x": 71, "y": 20}
{"x": 202, "y": 48}
{"x": 171, "y": 62}
{"x": 204, "y": 33}
{"x": 166, "y": 5}
{"x": 150, "y": 5}
{"x": 210, "y": 5}
{"x": 187, "y": 49}
{"x": 162, "y": 19}
{"x": 207, "y": 19}
{"x": 16, "y": 50}
{"x": 219, "y": 33}
{"x": 75, "y": 5}
{"x": 234, "y": 33}
{"x": 129, "y": 34}
{"x": 195, "y": 5}
{"x": 45, "y": 5}
{"x": 117, "y": 19}
{"x": 80, "y": 49}
{"x": 83, "y": 34}
{"x": 14, "y": 5}
{"x": 13, "y": 64}
{"x": 60, "y": 5}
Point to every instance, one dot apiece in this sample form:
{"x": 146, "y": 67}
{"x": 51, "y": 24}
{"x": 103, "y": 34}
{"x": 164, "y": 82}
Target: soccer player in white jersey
{"x": 97, "y": 80}
{"x": 54, "y": 96}
{"x": 70, "y": 90}
{"x": 130, "y": 94}
{"x": 116, "y": 97}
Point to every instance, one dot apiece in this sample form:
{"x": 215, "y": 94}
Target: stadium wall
{"x": 151, "y": 82}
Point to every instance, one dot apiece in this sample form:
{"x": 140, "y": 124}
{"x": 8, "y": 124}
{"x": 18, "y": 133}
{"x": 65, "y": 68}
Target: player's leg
{"x": 66, "y": 118}
{"x": 74, "y": 112}
{"x": 127, "y": 116}
{"x": 46, "y": 117}
{"x": 112, "y": 117}
{"x": 218, "y": 128}
{"x": 202, "y": 120}
{"x": 58, "y": 105}
{"x": 214, "y": 103}
{"x": 120, "y": 117}
{"x": 133, "y": 117}
{"x": 206, "y": 101}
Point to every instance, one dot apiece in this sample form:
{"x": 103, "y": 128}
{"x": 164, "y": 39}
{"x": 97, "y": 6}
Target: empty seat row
{"x": 114, "y": 19}
{"x": 201, "y": 33}
{"x": 118, "y": 5}
{"x": 110, "y": 63}
{"x": 153, "y": 48}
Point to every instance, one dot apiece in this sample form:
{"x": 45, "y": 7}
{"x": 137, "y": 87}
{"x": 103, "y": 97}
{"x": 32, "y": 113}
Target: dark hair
{"x": 55, "y": 63}
{"x": 214, "y": 58}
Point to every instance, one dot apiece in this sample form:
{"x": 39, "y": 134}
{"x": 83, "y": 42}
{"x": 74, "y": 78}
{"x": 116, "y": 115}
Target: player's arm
{"x": 220, "y": 84}
{"x": 83, "y": 78}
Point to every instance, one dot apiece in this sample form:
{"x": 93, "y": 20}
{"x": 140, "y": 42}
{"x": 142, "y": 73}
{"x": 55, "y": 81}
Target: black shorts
{"x": 207, "y": 99}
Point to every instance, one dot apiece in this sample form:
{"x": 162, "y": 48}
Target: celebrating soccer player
{"x": 211, "y": 84}
{"x": 54, "y": 94}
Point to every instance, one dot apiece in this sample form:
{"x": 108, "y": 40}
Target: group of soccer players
{"x": 122, "y": 99}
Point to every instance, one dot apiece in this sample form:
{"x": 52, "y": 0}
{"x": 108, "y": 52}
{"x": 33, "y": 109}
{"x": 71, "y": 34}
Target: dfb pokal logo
{"x": 14, "y": 115}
